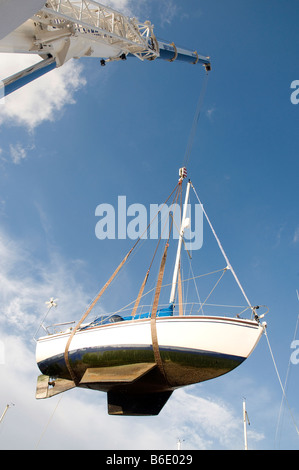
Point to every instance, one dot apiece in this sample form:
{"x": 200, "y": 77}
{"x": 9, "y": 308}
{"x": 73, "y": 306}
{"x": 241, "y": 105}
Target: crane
{"x": 63, "y": 29}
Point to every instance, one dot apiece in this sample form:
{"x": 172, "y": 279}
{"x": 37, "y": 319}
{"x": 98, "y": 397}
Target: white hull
{"x": 225, "y": 340}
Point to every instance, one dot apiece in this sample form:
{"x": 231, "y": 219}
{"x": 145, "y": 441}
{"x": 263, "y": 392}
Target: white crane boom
{"x": 97, "y": 23}
{"x": 65, "y": 29}
{"x": 14, "y": 12}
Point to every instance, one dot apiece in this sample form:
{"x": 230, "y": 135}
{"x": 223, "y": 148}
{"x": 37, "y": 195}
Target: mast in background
{"x": 5, "y": 411}
{"x": 245, "y": 418}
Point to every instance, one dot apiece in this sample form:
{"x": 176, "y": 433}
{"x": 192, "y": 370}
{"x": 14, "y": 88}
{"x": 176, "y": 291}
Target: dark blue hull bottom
{"x": 181, "y": 367}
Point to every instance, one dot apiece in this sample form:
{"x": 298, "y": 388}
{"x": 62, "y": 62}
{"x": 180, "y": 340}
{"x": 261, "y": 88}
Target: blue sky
{"x": 86, "y": 134}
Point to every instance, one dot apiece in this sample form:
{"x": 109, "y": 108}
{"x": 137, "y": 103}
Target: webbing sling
{"x": 155, "y": 344}
{"x": 66, "y": 352}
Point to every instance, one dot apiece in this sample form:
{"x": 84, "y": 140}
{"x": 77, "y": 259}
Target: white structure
{"x": 60, "y": 30}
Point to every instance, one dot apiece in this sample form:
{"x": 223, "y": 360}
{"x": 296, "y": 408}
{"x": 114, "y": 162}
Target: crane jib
{"x": 170, "y": 52}
{"x": 62, "y": 30}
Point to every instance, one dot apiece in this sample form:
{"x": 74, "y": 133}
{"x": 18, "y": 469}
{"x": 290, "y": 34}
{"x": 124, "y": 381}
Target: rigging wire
{"x": 281, "y": 385}
{"x": 195, "y": 286}
{"x": 224, "y": 271}
{"x": 229, "y": 266}
{"x": 187, "y": 280}
{"x": 286, "y": 379}
{"x": 49, "y": 421}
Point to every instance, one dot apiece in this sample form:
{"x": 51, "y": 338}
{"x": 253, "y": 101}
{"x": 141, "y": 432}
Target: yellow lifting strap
{"x": 140, "y": 294}
{"x": 197, "y": 58}
{"x": 66, "y": 352}
{"x": 154, "y": 315}
{"x": 175, "y": 53}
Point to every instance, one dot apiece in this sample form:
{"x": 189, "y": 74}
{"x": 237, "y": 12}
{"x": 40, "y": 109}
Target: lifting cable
{"x": 195, "y": 121}
{"x": 186, "y": 160}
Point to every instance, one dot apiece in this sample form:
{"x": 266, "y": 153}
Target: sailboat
{"x": 141, "y": 358}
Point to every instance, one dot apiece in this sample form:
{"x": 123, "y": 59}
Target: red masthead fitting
{"x": 182, "y": 173}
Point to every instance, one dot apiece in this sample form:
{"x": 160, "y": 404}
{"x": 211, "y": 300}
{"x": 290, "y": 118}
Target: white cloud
{"x": 43, "y": 99}
{"x": 122, "y": 6}
{"x": 17, "y": 153}
{"x": 168, "y": 11}
{"x": 210, "y": 113}
{"x": 25, "y": 285}
{"x": 296, "y": 236}
{"x": 205, "y": 422}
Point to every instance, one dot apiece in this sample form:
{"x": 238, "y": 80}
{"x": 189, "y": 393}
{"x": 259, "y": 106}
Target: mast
{"x": 184, "y": 224}
{"x": 179, "y": 444}
{"x": 245, "y": 418}
{"x": 5, "y": 411}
